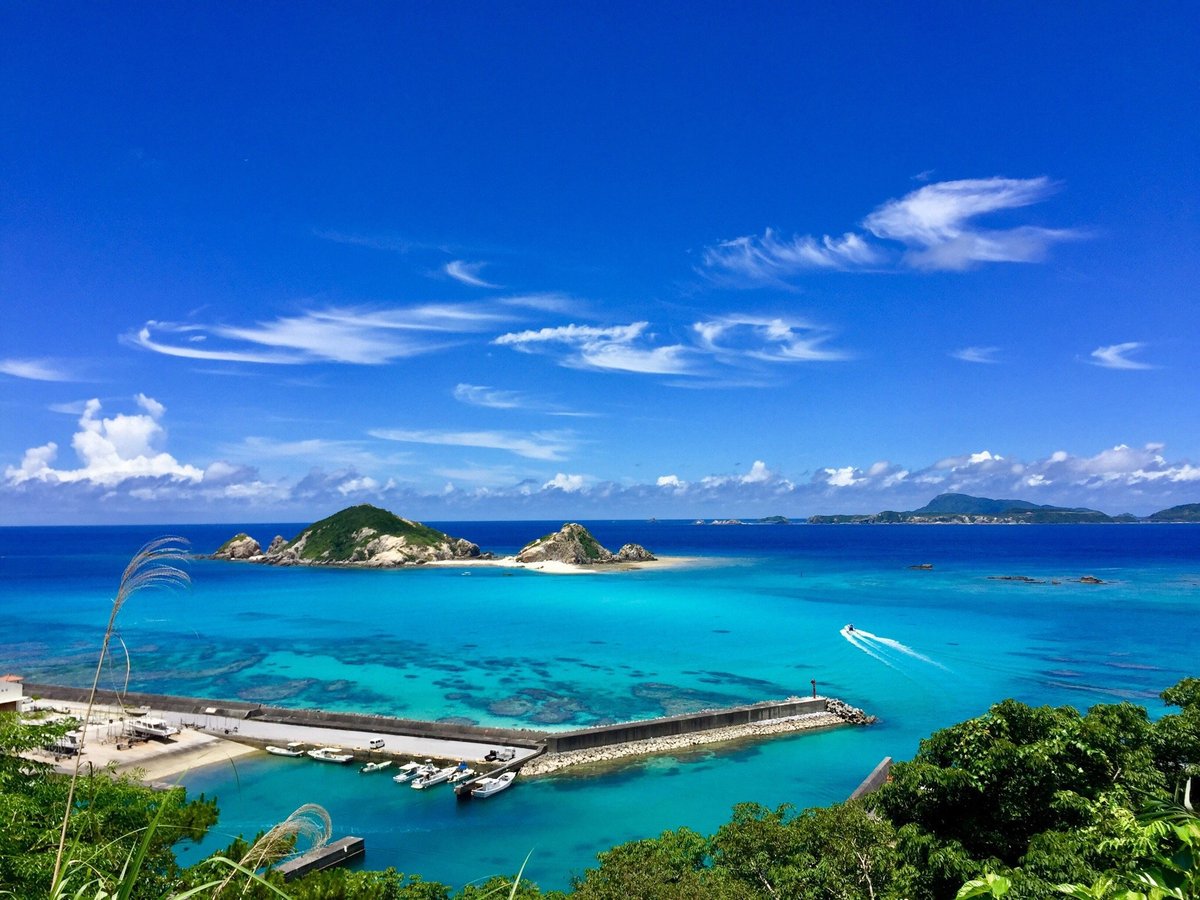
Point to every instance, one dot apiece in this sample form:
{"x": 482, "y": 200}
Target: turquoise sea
{"x": 756, "y": 615}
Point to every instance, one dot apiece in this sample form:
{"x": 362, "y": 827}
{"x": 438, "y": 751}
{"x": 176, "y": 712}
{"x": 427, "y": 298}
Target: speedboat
{"x": 295, "y": 748}
{"x": 437, "y": 776}
{"x": 375, "y": 766}
{"x": 411, "y": 770}
{"x": 485, "y": 787}
{"x": 331, "y": 754}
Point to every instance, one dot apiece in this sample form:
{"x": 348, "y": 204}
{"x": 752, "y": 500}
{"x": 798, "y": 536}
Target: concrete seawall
{"x": 627, "y": 738}
{"x": 629, "y": 732}
{"x": 234, "y": 710}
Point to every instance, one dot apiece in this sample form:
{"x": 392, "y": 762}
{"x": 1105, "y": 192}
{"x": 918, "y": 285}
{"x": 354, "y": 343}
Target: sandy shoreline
{"x": 552, "y": 567}
{"x": 545, "y": 765}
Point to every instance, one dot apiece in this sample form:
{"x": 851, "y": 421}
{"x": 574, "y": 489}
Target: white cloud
{"x": 354, "y": 335}
{"x": 35, "y": 370}
{"x": 110, "y": 450}
{"x": 363, "y": 484}
{"x": 977, "y": 354}
{"x": 468, "y": 273}
{"x": 935, "y": 224}
{"x": 544, "y": 445}
{"x": 670, "y": 481}
{"x": 571, "y": 484}
{"x": 764, "y": 339}
{"x": 771, "y": 260}
{"x": 618, "y": 348}
{"x": 846, "y": 476}
{"x": 1116, "y": 356}
{"x": 492, "y": 398}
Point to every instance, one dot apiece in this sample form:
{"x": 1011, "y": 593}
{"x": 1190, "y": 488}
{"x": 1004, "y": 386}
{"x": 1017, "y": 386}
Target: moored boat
{"x": 485, "y": 787}
{"x": 462, "y": 773}
{"x": 437, "y": 776}
{"x": 411, "y": 770}
{"x": 294, "y": 748}
{"x": 331, "y": 754}
{"x": 375, "y": 766}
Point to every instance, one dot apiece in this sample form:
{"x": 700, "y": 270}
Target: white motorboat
{"x": 437, "y": 776}
{"x": 375, "y": 766}
{"x": 295, "y": 748}
{"x": 331, "y": 754}
{"x": 411, "y": 770}
{"x": 152, "y": 728}
{"x": 485, "y": 787}
{"x": 462, "y": 773}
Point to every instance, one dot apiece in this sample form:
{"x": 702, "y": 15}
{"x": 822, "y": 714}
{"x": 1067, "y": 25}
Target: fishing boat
{"x": 411, "y": 770}
{"x": 485, "y": 787}
{"x": 331, "y": 754}
{"x": 294, "y": 748}
{"x": 461, "y": 773}
{"x": 437, "y": 776}
{"x": 152, "y": 728}
{"x": 375, "y": 766}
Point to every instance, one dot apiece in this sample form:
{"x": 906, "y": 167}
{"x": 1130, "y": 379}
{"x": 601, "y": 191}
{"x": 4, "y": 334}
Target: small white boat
{"x": 152, "y": 728}
{"x": 437, "y": 776}
{"x": 331, "y": 754}
{"x": 411, "y": 770}
{"x": 375, "y": 766}
{"x": 485, "y": 787}
{"x": 295, "y": 748}
{"x": 462, "y": 773}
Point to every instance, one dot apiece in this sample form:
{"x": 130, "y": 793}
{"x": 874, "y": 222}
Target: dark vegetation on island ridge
{"x": 365, "y": 535}
{"x": 1022, "y": 802}
{"x": 963, "y": 509}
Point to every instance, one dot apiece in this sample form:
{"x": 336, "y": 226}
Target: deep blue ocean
{"x": 756, "y": 615}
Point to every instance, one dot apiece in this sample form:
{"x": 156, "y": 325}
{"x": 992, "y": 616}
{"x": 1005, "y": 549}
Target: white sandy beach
{"x": 553, "y": 567}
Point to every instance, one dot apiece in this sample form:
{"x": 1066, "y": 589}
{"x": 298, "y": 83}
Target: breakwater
{"x": 672, "y": 726}
{"x": 234, "y": 710}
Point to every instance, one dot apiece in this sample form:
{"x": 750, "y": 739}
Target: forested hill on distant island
{"x": 963, "y": 509}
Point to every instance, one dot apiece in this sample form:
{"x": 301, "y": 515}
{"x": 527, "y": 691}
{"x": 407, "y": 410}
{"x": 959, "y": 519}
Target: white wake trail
{"x": 896, "y": 645}
{"x": 851, "y": 636}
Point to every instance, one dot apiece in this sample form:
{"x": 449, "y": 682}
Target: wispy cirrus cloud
{"x": 543, "y": 445}
{"x": 619, "y": 348}
{"x": 348, "y": 335}
{"x": 763, "y": 339}
{"x": 1117, "y": 356}
{"x": 467, "y": 273}
{"x": 936, "y": 227}
{"x": 985, "y": 355}
{"x": 36, "y": 369}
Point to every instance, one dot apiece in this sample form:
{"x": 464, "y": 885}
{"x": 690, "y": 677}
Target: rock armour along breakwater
{"x": 836, "y": 713}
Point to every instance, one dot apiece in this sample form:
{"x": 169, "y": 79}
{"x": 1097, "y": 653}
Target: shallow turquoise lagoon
{"x": 757, "y": 615}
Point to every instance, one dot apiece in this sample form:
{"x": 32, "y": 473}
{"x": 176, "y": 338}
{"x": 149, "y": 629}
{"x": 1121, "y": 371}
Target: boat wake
{"x": 884, "y": 649}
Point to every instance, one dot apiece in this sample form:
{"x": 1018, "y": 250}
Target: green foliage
{"x": 333, "y": 538}
{"x": 240, "y": 536}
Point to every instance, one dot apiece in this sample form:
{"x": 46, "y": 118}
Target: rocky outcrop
{"x": 572, "y": 544}
{"x": 359, "y": 536}
{"x": 847, "y": 713}
{"x": 635, "y": 553}
{"x": 240, "y": 546}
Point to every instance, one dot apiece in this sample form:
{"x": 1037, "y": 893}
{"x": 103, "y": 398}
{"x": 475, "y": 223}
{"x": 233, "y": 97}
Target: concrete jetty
{"x": 337, "y": 853}
{"x": 249, "y": 723}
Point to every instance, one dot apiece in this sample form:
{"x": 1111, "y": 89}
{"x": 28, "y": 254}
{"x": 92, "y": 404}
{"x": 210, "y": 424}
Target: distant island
{"x": 369, "y": 537}
{"x": 963, "y": 509}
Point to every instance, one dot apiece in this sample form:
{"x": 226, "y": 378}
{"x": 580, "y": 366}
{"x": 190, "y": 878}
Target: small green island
{"x": 370, "y": 537}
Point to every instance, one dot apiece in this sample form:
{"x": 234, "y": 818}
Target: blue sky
{"x": 258, "y": 263}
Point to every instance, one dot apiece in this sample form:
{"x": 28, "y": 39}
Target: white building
{"x": 12, "y": 693}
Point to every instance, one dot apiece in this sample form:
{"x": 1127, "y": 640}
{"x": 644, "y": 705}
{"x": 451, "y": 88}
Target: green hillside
{"x": 340, "y": 535}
